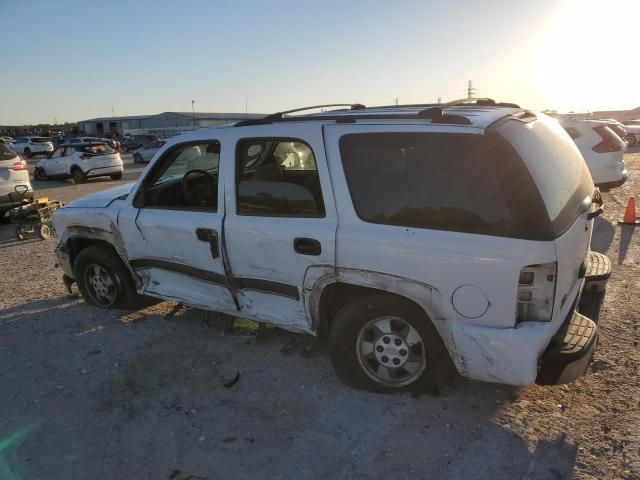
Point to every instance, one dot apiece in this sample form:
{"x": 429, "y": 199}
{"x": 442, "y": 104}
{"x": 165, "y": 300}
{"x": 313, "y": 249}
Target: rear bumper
{"x": 534, "y": 352}
{"x": 613, "y": 184}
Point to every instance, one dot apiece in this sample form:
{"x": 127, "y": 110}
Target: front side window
{"x": 185, "y": 177}
{"x": 57, "y": 153}
{"x": 443, "y": 181}
{"x": 277, "y": 177}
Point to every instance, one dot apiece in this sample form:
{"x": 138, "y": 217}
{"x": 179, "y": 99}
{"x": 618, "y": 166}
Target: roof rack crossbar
{"x": 280, "y": 115}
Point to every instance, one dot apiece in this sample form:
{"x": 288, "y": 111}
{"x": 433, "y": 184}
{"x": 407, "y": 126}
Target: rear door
{"x": 172, "y": 229}
{"x": 280, "y": 223}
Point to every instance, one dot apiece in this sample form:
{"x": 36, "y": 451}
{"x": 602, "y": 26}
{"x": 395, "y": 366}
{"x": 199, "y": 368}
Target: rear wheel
{"x": 631, "y": 139}
{"x": 103, "y": 280}
{"x": 77, "y": 175}
{"x": 116, "y": 176}
{"x": 383, "y": 343}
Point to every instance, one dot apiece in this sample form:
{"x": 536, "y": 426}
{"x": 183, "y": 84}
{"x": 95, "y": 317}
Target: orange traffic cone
{"x": 630, "y": 217}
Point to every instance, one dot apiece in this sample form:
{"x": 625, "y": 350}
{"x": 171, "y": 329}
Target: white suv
{"x": 419, "y": 238}
{"x": 602, "y": 149}
{"x": 30, "y": 146}
{"x": 15, "y": 188}
{"x": 80, "y": 161}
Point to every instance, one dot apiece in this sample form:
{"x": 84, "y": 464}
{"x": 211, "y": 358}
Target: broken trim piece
{"x": 267, "y": 286}
{"x": 200, "y": 274}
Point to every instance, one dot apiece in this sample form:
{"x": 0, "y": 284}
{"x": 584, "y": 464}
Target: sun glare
{"x": 586, "y": 55}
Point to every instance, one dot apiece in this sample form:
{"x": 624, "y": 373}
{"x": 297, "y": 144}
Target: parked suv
{"x": 419, "y": 238}
{"x": 602, "y": 149}
{"x": 80, "y": 161}
{"x": 30, "y": 146}
{"x": 13, "y": 173}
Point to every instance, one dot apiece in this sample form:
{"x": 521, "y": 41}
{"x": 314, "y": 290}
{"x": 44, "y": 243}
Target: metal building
{"x": 166, "y": 123}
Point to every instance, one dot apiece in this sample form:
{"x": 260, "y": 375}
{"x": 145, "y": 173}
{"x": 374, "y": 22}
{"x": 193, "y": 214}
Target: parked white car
{"x": 418, "y": 238}
{"x": 145, "y": 154}
{"x": 633, "y": 131}
{"x": 30, "y": 146}
{"x": 601, "y": 148}
{"x": 80, "y": 161}
{"x": 15, "y": 188}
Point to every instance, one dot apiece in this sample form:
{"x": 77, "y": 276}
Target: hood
{"x": 103, "y": 198}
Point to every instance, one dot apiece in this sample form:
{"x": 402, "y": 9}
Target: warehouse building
{"x": 166, "y": 124}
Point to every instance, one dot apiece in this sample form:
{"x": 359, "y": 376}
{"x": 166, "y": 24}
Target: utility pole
{"x": 113, "y": 112}
{"x": 470, "y": 90}
{"x": 246, "y": 106}
{"x": 439, "y": 100}
{"x": 396, "y": 101}
{"x": 193, "y": 110}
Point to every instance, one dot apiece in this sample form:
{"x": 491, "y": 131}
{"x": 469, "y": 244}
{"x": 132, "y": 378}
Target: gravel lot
{"x": 98, "y": 394}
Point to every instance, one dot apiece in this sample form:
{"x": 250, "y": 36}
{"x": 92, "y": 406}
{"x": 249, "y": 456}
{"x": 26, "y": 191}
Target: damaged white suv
{"x": 418, "y": 237}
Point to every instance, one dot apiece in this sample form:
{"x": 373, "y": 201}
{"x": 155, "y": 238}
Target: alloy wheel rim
{"x": 103, "y": 287}
{"x": 391, "y": 351}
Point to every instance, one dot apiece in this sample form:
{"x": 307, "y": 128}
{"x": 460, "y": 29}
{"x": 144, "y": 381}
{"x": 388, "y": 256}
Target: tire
{"x": 136, "y": 158}
{"x": 631, "y": 139}
{"x": 44, "y": 231}
{"x": 103, "y": 280}
{"x": 20, "y": 233}
{"x": 39, "y": 174}
{"x": 4, "y": 219}
{"x": 27, "y": 152}
{"x": 428, "y": 366}
{"x": 78, "y": 175}
{"x": 116, "y": 176}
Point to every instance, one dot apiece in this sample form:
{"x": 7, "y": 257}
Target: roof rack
{"x": 280, "y": 115}
{"x": 434, "y": 112}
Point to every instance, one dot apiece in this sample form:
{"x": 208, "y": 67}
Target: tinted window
{"x": 557, "y": 167}
{"x": 97, "y": 149}
{"x": 185, "y": 177}
{"x": 6, "y": 153}
{"x": 443, "y": 181}
{"x": 277, "y": 177}
{"x": 40, "y": 139}
{"x": 57, "y": 153}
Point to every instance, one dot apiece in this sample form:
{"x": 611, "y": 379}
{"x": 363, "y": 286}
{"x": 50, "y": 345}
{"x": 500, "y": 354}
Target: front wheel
{"x": 103, "y": 280}
{"x": 40, "y": 174}
{"x": 384, "y": 343}
{"x": 631, "y": 139}
{"x": 44, "y": 231}
{"x": 116, "y": 176}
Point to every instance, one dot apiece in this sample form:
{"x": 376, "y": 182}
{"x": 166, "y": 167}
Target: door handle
{"x": 307, "y": 246}
{"x": 211, "y": 236}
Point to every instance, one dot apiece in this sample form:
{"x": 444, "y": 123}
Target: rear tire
{"x": 116, "y": 176}
{"x": 409, "y": 356}
{"x": 44, "y": 231}
{"x": 78, "y": 175}
{"x": 631, "y": 139}
{"x": 103, "y": 280}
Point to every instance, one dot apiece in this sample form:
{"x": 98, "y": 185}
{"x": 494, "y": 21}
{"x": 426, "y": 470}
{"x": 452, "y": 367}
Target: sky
{"x": 67, "y": 60}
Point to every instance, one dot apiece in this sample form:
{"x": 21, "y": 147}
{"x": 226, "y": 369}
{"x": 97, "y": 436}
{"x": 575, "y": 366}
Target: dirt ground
{"x": 88, "y": 393}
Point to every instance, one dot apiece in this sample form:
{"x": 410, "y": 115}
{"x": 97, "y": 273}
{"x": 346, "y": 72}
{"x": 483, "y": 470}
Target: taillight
{"x": 85, "y": 157}
{"x": 610, "y": 141}
{"x": 18, "y": 166}
{"x": 536, "y": 291}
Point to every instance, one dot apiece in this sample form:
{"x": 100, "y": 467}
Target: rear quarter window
{"x": 6, "y": 153}
{"x": 445, "y": 181}
{"x": 556, "y": 165}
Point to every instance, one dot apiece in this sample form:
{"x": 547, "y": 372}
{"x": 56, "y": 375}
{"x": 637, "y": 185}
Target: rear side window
{"x": 277, "y": 177}
{"x": 40, "y": 140}
{"x": 444, "y": 181}
{"x": 6, "y": 153}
